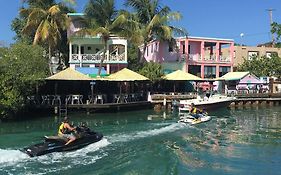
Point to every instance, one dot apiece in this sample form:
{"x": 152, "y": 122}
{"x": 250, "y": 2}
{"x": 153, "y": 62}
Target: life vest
{"x": 195, "y": 111}
{"x": 62, "y": 130}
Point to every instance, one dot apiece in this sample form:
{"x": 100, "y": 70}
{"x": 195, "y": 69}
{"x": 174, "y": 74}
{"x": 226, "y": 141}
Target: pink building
{"x": 197, "y": 55}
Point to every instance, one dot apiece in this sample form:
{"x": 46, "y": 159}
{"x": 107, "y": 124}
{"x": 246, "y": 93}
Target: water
{"x": 241, "y": 141}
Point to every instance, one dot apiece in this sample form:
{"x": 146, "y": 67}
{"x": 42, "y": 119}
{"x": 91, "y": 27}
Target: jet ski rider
{"x": 65, "y": 130}
{"x": 195, "y": 112}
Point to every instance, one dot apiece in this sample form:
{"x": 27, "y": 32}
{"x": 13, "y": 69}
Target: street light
{"x": 241, "y": 35}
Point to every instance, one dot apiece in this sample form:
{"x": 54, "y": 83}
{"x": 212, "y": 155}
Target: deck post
{"x": 56, "y": 109}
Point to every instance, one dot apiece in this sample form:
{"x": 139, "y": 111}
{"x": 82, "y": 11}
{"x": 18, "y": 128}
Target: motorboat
{"x": 213, "y": 102}
{"x": 57, "y": 144}
{"x": 189, "y": 119}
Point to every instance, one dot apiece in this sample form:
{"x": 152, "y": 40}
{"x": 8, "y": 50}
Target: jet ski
{"x": 84, "y": 137}
{"x": 189, "y": 119}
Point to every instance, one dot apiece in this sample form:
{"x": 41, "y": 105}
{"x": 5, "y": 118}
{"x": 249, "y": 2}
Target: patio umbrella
{"x": 180, "y": 75}
{"x": 126, "y": 75}
{"x": 69, "y": 74}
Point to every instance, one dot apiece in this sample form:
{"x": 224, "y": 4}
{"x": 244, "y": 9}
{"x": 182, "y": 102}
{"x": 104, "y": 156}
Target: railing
{"x": 120, "y": 57}
{"x": 210, "y": 57}
{"x": 224, "y": 58}
{"x": 95, "y": 58}
{"x": 198, "y": 57}
{"x": 194, "y": 57}
{"x": 91, "y": 57}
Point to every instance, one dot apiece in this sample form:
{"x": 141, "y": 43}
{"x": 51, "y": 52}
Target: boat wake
{"x": 11, "y": 156}
{"x": 141, "y": 134}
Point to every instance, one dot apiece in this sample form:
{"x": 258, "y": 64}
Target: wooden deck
{"x": 106, "y": 107}
{"x": 111, "y": 106}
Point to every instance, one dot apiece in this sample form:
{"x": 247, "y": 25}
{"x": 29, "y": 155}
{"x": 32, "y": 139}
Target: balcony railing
{"x": 96, "y": 58}
{"x": 194, "y": 57}
{"x": 225, "y": 58}
{"x": 210, "y": 57}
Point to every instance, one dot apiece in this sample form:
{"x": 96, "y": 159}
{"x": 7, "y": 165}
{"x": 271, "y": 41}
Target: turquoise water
{"x": 240, "y": 141}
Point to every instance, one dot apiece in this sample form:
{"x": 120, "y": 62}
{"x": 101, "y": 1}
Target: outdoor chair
{"x": 56, "y": 100}
{"x": 99, "y": 99}
{"x": 46, "y": 100}
{"x": 116, "y": 98}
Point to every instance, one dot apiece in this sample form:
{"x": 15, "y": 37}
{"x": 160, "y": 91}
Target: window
{"x": 147, "y": 50}
{"x": 209, "y": 72}
{"x": 270, "y": 54}
{"x": 183, "y": 49}
{"x": 152, "y": 48}
{"x": 170, "y": 48}
{"x": 252, "y": 55}
{"x": 89, "y": 48}
{"x": 224, "y": 70}
{"x": 156, "y": 44}
{"x": 82, "y": 49}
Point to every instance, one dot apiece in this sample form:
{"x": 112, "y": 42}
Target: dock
{"x": 106, "y": 107}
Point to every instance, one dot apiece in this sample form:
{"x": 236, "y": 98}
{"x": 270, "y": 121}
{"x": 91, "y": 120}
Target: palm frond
{"x": 44, "y": 30}
{"x": 54, "y": 10}
{"x": 38, "y": 35}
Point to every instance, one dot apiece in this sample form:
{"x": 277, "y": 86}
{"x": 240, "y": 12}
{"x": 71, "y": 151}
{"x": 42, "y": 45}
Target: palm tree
{"x": 155, "y": 21}
{"x": 102, "y": 19}
{"x": 47, "y": 24}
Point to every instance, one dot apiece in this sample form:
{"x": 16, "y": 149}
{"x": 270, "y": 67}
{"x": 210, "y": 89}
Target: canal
{"x": 235, "y": 141}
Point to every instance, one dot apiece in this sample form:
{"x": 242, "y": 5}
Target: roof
{"x": 126, "y": 75}
{"x": 75, "y": 14}
{"x": 69, "y": 74}
{"x": 180, "y": 75}
{"x": 234, "y": 76}
{"x": 207, "y": 38}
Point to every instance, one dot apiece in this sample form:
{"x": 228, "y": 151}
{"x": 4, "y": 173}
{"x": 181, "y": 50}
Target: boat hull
{"x": 58, "y": 145}
{"x": 193, "y": 121}
{"x": 210, "y": 104}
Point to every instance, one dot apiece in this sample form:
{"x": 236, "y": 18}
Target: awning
{"x": 230, "y": 76}
{"x": 180, "y": 75}
{"x": 126, "y": 75}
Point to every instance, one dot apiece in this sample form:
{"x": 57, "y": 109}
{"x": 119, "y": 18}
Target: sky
{"x": 245, "y": 21}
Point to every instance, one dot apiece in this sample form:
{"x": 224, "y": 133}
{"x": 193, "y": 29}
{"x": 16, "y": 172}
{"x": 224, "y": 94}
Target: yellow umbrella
{"x": 180, "y": 75}
{"x": 126, "y": 75}
{"x": 69, "y": 74}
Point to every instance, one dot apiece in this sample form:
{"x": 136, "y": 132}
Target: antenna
{"x": 271, "y": 21}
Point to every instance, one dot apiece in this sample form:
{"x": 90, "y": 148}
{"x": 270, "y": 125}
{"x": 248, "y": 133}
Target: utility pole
{"x": 271, "y": 21}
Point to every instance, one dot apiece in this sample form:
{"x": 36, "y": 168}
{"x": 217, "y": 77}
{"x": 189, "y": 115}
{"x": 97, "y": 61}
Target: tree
{"x": 103, "y": 19}
{"x": 22, "y": 68}
{"x": 48, "y": 24}
{"x": 154, "y": 21}
{"x": 20, "y": 22}
{"x": 263, "y": 66}
{"x": 153, "y": 71}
